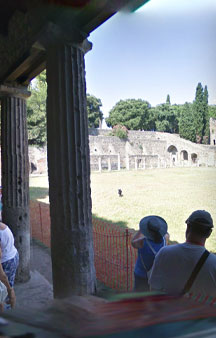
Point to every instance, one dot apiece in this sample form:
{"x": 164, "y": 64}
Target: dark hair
{"x": 157, "y": 238}
{"x": 198, "y": 227}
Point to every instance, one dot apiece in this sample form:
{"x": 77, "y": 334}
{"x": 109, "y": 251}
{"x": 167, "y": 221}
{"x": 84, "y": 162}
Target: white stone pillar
{"x": 135, "y": 159}
{"x": 99, "y": 164}
{"x": 127, "y": 163}
{"x": 109, "y": 164}
{"x": 119, "y": 163}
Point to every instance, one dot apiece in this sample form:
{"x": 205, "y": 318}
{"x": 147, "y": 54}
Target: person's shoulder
{"x": 168, "y": 249}
{"x": 2, "y": 226}
{"x": 211, "y": 264}
{"x": 171, "y": 247}
{"x": 212, "y": 257}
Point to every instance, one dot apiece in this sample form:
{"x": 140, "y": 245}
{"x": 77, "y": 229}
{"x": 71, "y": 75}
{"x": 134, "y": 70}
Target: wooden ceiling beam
{"x": 29, "y": 60}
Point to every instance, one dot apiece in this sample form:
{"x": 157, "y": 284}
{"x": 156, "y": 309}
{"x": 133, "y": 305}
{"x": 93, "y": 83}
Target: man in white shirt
{"x": 174, "y": 264}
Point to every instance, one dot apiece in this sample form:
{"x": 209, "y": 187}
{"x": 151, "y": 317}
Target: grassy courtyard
{"x": 171, "y": 193}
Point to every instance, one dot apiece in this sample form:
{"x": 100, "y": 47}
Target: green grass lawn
{"x": 171, "y": 193}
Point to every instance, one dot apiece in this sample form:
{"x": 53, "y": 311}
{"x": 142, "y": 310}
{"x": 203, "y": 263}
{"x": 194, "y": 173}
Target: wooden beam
{"x": 22, "y": 69}
{"x": 25, "y": 79}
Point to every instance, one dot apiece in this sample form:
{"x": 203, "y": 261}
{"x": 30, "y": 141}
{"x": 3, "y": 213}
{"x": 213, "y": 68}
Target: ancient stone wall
{"x": 37, "y": 160}
{"x": 141, "y": 150}
{"x": 212, "y": 126}
{"x": 146, "y": 149}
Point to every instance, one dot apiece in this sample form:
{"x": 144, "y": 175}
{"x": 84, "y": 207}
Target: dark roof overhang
{"x": 27, "y": 28}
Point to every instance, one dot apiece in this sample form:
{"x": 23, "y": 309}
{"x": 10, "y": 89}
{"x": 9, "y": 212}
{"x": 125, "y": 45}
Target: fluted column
{"x": 15, "y": 172}
{"x": 69, "y": 173}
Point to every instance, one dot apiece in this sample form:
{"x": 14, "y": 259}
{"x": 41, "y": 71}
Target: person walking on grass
{"x": 148, "y": 240}
{"x": 173, "y": 267}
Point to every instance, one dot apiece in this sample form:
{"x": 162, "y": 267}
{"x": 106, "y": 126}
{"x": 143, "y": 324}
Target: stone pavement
{"x": 31, "y": 298}
{"x": 36, "y": 313}
{"x": 38, "y": 291}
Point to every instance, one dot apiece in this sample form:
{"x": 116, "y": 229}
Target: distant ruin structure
{"x": 146, "y": 150}
{"x": 141, "y": 150}
{"x": 212, "y": 126}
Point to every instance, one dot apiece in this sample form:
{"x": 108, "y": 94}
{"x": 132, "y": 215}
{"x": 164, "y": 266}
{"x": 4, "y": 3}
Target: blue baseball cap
{"x": 201, "y": 217}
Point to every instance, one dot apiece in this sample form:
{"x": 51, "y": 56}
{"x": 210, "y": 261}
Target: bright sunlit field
{"x": 171, "y": 193}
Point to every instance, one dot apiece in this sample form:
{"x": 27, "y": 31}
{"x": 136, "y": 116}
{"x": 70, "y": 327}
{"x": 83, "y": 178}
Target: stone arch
{"x": 173, "y": 151}
{"x": 194, "y": 158}
{"x": 184, "y": 155}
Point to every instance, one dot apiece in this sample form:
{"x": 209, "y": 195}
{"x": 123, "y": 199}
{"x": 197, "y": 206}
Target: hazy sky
{"x": 166, "y": 47}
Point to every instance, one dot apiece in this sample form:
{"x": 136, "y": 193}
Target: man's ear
{"x": 187, "y": 229}
{"x": 210, "y": 231}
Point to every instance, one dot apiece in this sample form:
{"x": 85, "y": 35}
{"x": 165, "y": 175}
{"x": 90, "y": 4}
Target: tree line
{"x": 190, "y": 120}
{"x": 36, "y": 111}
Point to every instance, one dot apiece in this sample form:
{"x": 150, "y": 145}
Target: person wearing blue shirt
{"x": 150, "y": 238}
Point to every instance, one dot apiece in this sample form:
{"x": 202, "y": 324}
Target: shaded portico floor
{"x": 38, "y": 291}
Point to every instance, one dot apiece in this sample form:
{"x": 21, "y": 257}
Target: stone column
{"x": 135, "y": 163}
{"x": 109, "y": 164}
{"x": 127, "y": 163}
{"x": 15, "y": 172}
{"x": 99, "y": 164}
{"x": 171, "y": 162}
{"x": 119, "y": 164}
{"x": 69, "y": 173}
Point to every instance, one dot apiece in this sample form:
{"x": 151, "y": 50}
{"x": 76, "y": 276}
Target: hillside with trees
{"x": 189, "y": 120}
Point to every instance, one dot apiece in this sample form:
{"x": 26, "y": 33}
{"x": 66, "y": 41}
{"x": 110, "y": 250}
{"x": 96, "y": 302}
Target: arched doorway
{"x": 184, "y": 157}
{"x": 172, "y": 150}
{"x": 194, "y": 158}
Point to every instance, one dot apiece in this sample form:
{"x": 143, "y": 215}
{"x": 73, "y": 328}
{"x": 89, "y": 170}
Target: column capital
{"x": 13, "y": 91}
{"x": 85, "y": 46}
{"x": 54, "y": 35}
